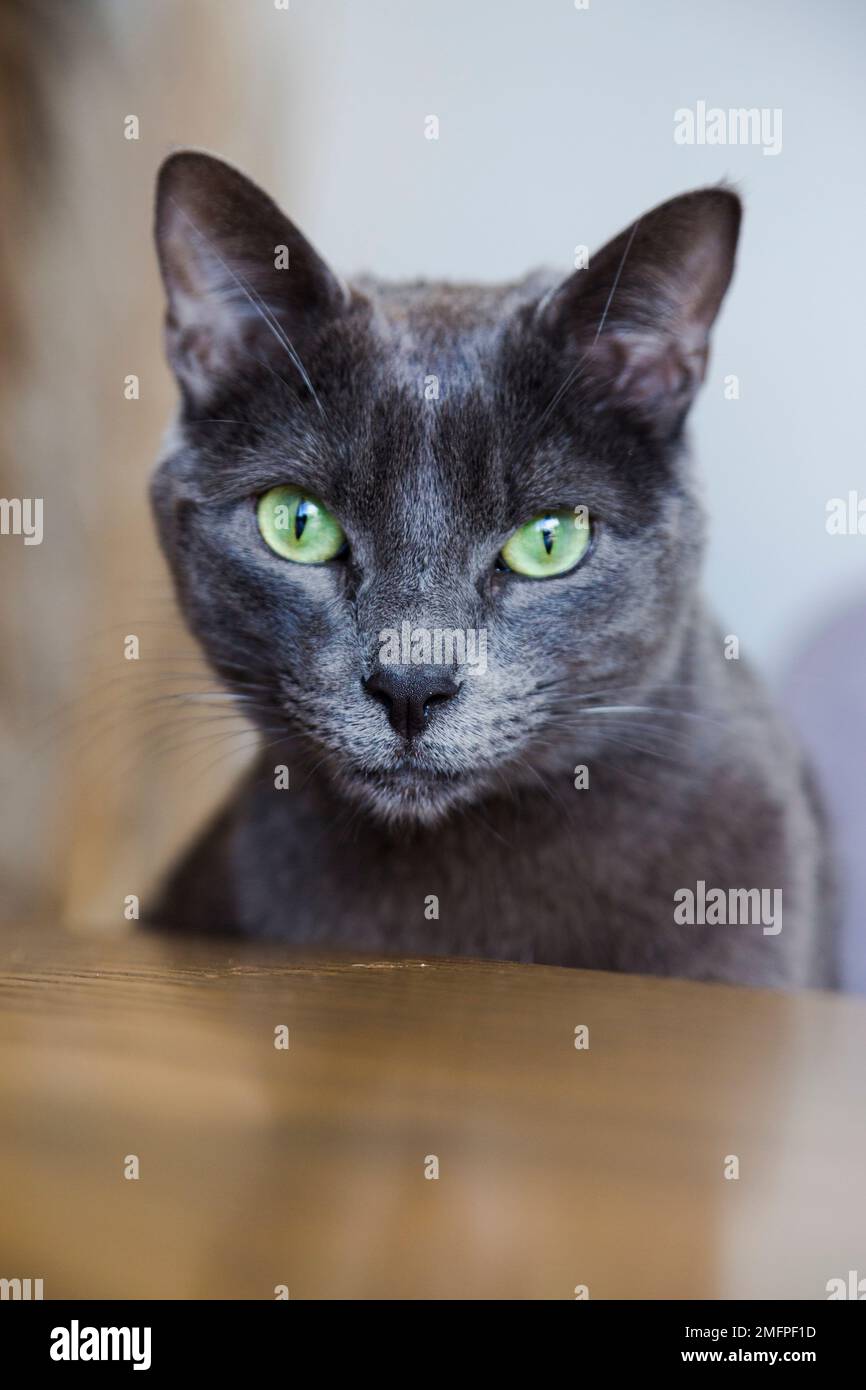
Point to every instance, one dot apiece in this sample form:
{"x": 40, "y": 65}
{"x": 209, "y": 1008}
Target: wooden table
{"x": 305, "y": 1167}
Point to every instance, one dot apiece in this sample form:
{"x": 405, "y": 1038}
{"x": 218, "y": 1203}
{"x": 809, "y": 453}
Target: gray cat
{"x": 444, "y": 544}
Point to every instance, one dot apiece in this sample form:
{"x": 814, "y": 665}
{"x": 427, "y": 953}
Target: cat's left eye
{"x": 551, "y": 543}
{"x": 299, "y": 527}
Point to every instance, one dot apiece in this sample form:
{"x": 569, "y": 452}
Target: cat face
{"x": 429, "y": 532}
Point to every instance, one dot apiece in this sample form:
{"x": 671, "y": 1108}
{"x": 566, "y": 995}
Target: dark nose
{"x": 409, "y": 693}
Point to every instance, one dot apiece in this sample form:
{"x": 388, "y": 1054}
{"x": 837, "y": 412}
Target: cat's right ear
{"x": 244, "y": 287}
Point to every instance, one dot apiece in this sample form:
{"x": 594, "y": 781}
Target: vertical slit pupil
{"x": 300, "y": 520}
{"x": 548, "y": 531}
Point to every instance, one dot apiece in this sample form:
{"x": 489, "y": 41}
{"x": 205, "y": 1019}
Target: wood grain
{"x": 558, "y": 1167}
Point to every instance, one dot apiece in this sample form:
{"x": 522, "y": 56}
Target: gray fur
{"x": 550, "y": 395}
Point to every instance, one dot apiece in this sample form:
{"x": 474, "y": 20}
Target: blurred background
{"x": 555, "y": 130}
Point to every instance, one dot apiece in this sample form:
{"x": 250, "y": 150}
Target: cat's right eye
{"x": 299, "y": 527}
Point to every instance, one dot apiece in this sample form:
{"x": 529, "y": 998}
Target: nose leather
{"x": 409, "y": 694}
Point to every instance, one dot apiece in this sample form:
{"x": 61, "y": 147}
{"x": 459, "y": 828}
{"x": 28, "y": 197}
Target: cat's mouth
{"x": 409, "y": 776}
{"x": 408, "y": 791}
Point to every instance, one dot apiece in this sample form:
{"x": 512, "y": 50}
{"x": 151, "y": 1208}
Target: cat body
{"x": 607, "y": 788}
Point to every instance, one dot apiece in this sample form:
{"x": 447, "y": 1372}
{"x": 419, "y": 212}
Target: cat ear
{"x": 244, "y": 286}
{"x": 640, "y": 316}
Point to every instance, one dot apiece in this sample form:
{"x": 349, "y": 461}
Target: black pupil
{"x": 301, "y": 519}
{"x": 548, "y": 532}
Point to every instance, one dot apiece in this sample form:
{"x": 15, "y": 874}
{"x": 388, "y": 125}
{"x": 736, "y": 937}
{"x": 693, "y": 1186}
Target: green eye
{"x": 298, "y": 527}
{"x": 551, "y": 543}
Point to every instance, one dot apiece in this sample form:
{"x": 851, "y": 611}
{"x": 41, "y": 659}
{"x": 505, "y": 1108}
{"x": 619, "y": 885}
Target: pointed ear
{"x": 640, "y": 316}
{"x": 244, "y": 286}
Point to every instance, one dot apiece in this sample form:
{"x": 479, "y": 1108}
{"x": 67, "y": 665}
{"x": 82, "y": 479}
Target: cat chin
{"x": 404, "y": 799}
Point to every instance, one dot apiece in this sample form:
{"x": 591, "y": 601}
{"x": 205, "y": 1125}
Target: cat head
{"x": 428, "y": 530}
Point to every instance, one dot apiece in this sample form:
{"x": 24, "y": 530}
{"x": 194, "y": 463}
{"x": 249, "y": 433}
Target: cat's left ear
{"x": 639, "y": 317}
{"x": 244, "y": 287}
